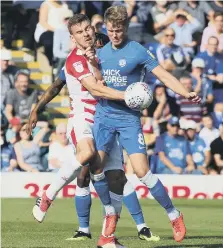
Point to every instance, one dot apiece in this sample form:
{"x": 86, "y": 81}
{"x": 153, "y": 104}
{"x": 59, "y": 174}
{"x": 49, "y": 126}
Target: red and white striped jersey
{"x": 76, "y": 68}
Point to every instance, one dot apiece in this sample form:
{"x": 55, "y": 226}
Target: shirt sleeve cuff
{"x": 84, "y": 76}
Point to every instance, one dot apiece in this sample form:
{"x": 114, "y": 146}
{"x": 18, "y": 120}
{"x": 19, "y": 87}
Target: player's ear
{"x": 72, "y": 38}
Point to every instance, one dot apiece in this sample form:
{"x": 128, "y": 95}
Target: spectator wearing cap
{"x": 7, "y": 75}
{"x": 214, "y": 29}
{"x": 21, "y": 100}
{"x": 12, "y": 134}
{"x": 200, "y": 152}
{"x": 171, "y": 56}
{"x": 174, "y": 155}
{"x": 60, "y": 149}
{"x": 217, "y": 150}
{"x": 184, "y": 26}
{"x": 199, "y": 10}
{"x": 208, "y": 133}
{"x": 28, "y": 152}
{"x": 62, "y": 42}
{"x": 8, "y": 156}
{"x": 188, "y": 109}
{"x": 201, "y": 84}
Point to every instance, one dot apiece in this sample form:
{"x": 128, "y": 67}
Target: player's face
{"x": 83, "y": 35}
{"x": 116, "y": 34}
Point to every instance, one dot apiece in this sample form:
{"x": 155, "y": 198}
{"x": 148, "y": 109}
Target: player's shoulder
{"x": 136, "y": 44}
{"x": 74, "y": 56}
{"x": 137, "y": 47}
{"x": 105, "y": 48}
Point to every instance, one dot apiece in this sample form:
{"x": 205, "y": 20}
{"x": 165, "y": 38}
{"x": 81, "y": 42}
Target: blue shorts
{"x": 129, "y": 134}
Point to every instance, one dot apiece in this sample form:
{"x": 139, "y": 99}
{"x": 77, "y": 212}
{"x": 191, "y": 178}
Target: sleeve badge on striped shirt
{"x": 78, "y": 66}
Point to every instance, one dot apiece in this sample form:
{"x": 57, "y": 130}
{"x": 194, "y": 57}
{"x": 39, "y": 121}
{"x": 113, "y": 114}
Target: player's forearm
{"x": 50, "y": 93}
{"x": 170, "y": 81}
{"x": 105, "y": 92}
{"x": 97, "y": 72}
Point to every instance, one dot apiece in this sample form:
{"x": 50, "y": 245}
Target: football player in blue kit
{"x": 83, "y": 196}
{"x": 121, "y": 63}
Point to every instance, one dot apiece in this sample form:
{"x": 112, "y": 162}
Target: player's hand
{"x": 89, "y": 53}
{"x": 193, "y": 97}
{"x": 31, "y": 122}
{"x": 101, "y": 82}
{"x": 177, "y": 170}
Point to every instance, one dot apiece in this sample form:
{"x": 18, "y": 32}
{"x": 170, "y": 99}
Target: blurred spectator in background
{"x": 61, "y": 42}
{"x": 8, "y": 156}
{"x": 211, "y": 57}
{"x": 188, "y": 109}
{"x": 218, "y": 87}
{"x": 97, "y": 23}
{"x": 20, "y": 22}
{"x": 216, "y": 5}
{"x": 184, "y": 26}
{"x": 208, "y": 133}
{"x": 214, "y": 29}
{"x": 162, "y": 108}
{"x": 51, "y": 17}
{"x": 199, "y": 10}
{"x": 59, "y": 150}
{"x": 76, "y": 6}
{"x": 174, "y": 155}
{"x": 200, "y": 152}
{"x": 28, "y": 152}
{"x": 201, "y": 84}
{"x": 12, "y": 134}
{"x": 96, "y": 7}
{"x": 21, "y": 100}
{"x": 143, "y": 13}
{"x": 171, "y": 56}
{"x": 217, "y": 151}
{"x": 7, "y": 75}
{"x": 162, "y": 14}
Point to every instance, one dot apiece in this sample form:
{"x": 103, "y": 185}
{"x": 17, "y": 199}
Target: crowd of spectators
{"x": 187, "y": 39}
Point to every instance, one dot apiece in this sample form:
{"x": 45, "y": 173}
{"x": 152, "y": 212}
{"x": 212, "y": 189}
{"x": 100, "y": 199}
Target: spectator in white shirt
{"x": 59, "y": 150}
{"x": 62, "y": 42}
{"x": 208, "y": 133}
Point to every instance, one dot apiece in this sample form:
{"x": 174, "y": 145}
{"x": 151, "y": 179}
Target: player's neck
{"x": 120, "y": 45}
{"x": 80, "y": 48}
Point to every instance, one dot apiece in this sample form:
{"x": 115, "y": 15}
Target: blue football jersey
{"x": 175, "y": 148}
{"x": 120, "y": 68}
{"x": 198, "y": 149}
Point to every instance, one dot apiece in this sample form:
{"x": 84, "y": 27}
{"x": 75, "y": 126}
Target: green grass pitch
{"x": 204, "y": 220}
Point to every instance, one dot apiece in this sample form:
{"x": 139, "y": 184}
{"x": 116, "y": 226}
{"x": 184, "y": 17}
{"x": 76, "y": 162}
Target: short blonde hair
{"x": 117, "y": 15}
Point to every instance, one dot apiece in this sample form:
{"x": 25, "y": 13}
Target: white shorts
{"x": 78, "y": 128}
